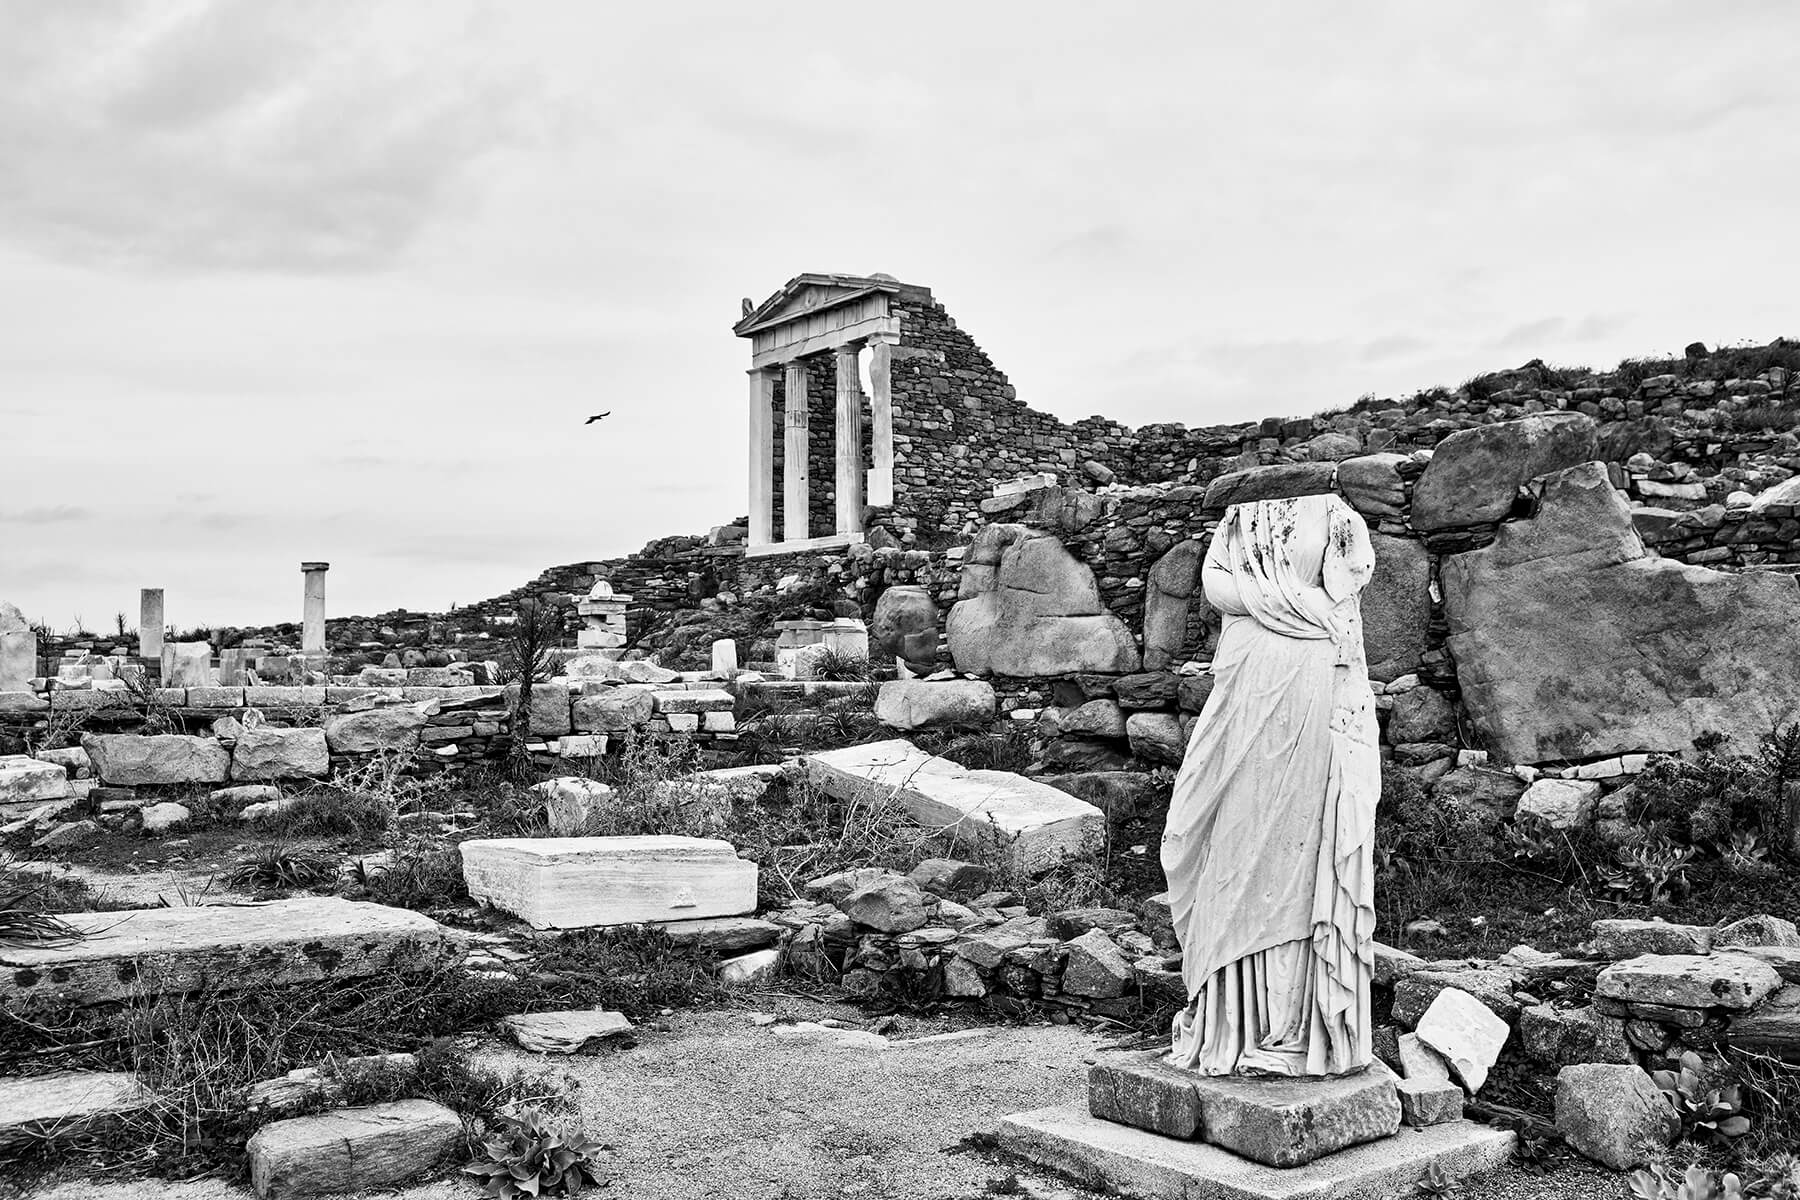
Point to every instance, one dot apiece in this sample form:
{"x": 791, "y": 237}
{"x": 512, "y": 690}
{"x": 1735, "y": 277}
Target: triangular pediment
{"x": 804, "y": 295}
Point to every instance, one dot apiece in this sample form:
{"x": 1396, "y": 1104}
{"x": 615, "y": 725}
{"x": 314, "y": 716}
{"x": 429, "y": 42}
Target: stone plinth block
{"x": 215, "y": 697}
{"x": 38, "y": 1106}
{"x": 574, "y": 882}
{"x": 1134, "y": 1162}
{"x": 243, "y": 946}
{"x": 132, "y": 760}
{"x": 308, "y": 696}
{"x": 352, "y": 1149}
{"x": 1278, "y": 1122}
{"x": 698, "y": 700}
{"x": 269, "y": 753}
{"x": 1731, "y": 981}
{"x": 1038, "y": 825}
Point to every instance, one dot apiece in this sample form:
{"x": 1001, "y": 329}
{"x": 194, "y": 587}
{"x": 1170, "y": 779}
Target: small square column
{"x": 762, "y": 457}
{"x": 312, "y": 613}
{"x": 150, "y": 624}
{"x": 849, "y": 440}
{"x": 796, "y": 480}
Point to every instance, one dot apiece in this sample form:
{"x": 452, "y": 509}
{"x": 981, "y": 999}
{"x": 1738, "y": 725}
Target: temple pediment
{"x": 807, "y": 296}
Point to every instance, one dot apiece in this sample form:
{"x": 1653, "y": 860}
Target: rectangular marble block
{"x": 576, "y": 882}
{"x": 1137, "y": 1163}
{"x": 1278, "y": 1122}
{"x": 145, "y": 952}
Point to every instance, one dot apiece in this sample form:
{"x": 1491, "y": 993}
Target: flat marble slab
{"x": 1146, "y": 1165}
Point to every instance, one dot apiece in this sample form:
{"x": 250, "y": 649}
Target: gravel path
{"x": 721, "y": 1108}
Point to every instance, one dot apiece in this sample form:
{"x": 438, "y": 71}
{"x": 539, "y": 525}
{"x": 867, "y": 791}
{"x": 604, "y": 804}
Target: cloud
{"x": 1558, "y": 331}
{"x": 52, "y": 514}
{"x": 229, "y": 136}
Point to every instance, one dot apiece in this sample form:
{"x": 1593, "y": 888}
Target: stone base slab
{"x": 240, "y": 947}
{"x": 1132, "y": 1162}
{"x": 1280, "y": 1122}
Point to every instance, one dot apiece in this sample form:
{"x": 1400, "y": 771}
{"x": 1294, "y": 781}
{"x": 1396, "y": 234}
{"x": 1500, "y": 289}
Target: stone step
{"x": 1038, "y": 825}
{"x": 149, "y": 951}
{"x": 1137, "y": 1163}
{"x": 42, "y": 1106}
{"x": 576, "y": 882}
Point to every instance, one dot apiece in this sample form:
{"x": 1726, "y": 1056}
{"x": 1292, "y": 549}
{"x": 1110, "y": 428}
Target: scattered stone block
{"x": 352, "y": 1149}
{"x": 241, "y": 947}
{"x": 1037, "y": 825}
{"x": 1617, "y": 939}
{"x": 890, "y": 903}
{"x": 614, "y": 710}
{"x": 1614, "y": 1114}
{"x": 306, "y": 1085}
{"x": 908, "y": 704}
{"x": 26, "y": 783}
{"x": 1120, "y": 1159}
{"x": 1730, "y": 981}
{"x": 570, "y": 802}
{"x": 575, "y": 882}
{"x": 1475, "y": 473}
{"x": 1424, "y": 1103}
{"x": 1420, "y": 1062}
{"x": 1148, "y": 1093}
{"x": 391, "y": 728}
{"x": 953, "y": 878}
{"x": 1275, "y": 482}
{"x": 35, "y": 1107}
{"x": 1096, "y": 969}
{"x": 69, "y": 833}
{"x": 1414, "y": 993}
{"x": 697, "y": 700}
{"x": 1564, "y": 1036}
{"x": 131, "y": 759}
{"x": 215, "y": 697}
{"x": 1772, "y": 1027}
{"x": 1466, "y": 1032}
{"x": 160, "y": 818}
{"x": 758, "y": 966}
{"x": 304, "y": 696}
{"x": 722, "y": 934}
{"x": 1392, "y": 965}
{"x": 989, "y": 948}
{"x": 268, "y": 752}
{"x": 1560, "y": 803}
{"x": 1759, "y": 930}
{"x": 568, "y": 1032}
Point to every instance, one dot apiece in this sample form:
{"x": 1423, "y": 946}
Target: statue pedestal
{"x": 1103, "y": 1154}
{"x": 1278, "y": 1122}
{"x": 1154, "y": 1130}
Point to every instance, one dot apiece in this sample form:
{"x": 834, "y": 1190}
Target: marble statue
{"x": 1269, "y": 843}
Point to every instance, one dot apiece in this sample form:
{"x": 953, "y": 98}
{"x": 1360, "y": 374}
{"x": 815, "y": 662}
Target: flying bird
{"x": 597, "y": 416}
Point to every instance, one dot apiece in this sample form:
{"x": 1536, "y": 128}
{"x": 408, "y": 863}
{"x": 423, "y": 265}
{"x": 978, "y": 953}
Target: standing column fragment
{"x": 849, "y": 441}
{"x": 881, "y": 420}
{"x": 150, "y": 624}
{"x": 312, "y": 616}
{"x": 762, "y": 457}
{"x": 795, "y": 477}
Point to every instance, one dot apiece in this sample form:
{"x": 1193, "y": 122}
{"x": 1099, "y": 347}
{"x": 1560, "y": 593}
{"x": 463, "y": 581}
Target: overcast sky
{"x": 285, "y": 281}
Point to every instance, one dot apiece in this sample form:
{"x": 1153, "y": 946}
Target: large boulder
{"x": 905, "y": 626}
{"x": 1396, "y": 607}
{"x": 1170, "y": 602}
{"x": 1475, "y": 473}
{"x": 915, "y": 704}
{"x": 389, "y": 727}
{"x": 1572, "y": 642}
{"x": 1614, "y": 1114}
{"x": 133, "y": 760}
{"x": 1026, "y": 607}
{"x": 1373, "y": 485}
{"x": 270, "y": 753}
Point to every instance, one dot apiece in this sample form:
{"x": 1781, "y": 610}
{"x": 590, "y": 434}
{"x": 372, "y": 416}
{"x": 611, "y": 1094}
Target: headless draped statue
{"x": 1270, "y": 840}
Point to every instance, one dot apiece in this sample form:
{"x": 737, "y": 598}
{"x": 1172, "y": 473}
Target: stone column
{"x": 796, "y": 482}
{"x": 849, "y": 441}
{"x": 312, "y": 616}
{"x": 881, "y": 420}
{"x": 762, "y": 456}
{"x": 150, "y": 624}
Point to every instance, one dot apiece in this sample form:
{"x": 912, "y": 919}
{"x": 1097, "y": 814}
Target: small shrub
{"x": 1650, "y": 869}
{"x": 422, "y": 877}
{"x": 842, "y": 666}
{"x": 526, "y": 1155}
{"x": 27, "y": 913}
{"x": 1708, "y": 1114}
{"x": 328, "y": 811}
{"x": 278, "y": 866}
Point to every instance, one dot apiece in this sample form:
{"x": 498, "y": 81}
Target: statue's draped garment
{"x": 1270, "y": 840}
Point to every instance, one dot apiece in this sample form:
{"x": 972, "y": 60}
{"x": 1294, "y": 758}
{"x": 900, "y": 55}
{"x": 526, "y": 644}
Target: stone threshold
{"x": 1133, "y": 1162}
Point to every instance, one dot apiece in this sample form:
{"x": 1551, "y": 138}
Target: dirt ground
{"x": 723, "y": 1108}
